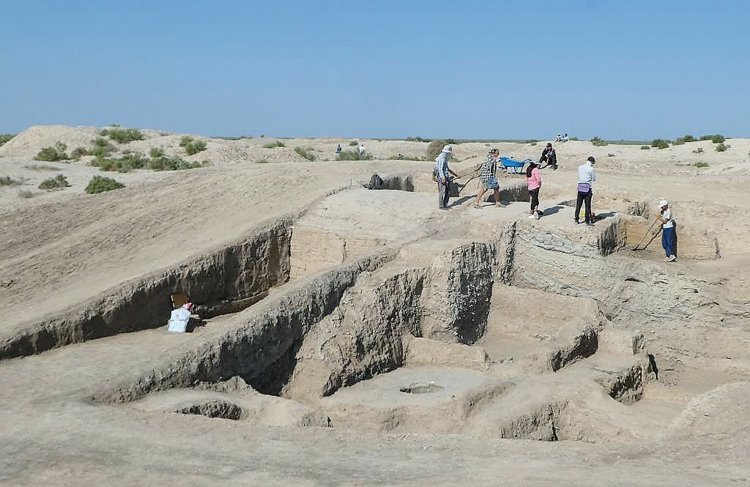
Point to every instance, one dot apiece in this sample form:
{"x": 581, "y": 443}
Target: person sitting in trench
{"x": 180, "y": 318}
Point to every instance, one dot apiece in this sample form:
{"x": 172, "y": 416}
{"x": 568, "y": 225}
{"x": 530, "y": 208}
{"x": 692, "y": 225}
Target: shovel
{"x": 644, "y": 236}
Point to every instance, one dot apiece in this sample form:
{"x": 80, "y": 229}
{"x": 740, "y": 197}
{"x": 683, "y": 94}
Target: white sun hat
{"x": 448, "y": 149}
{"x": 663, "y": 203}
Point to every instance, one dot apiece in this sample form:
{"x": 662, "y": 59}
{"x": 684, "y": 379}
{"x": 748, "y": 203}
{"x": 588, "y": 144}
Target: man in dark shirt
{"x": 549, "y": 156}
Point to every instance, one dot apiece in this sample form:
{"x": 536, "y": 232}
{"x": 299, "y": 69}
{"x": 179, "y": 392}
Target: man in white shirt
{"x": 668, "y": 233}
{"x": 586, "y": 177}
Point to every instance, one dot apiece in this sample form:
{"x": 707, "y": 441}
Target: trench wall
{"x": 241, "y": 272}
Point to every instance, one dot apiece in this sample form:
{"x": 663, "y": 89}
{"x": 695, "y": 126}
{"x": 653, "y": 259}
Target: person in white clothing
{"x": 668, "y": 233}
{"x": 362, "y": 150}
{"x": 179, "y": 319}
{"x": 586, "y": 177}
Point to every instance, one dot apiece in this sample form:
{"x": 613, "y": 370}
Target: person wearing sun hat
{"x": 668, "y": 233}
{"x": 443, "y": 174}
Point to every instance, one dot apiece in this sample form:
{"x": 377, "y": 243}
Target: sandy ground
{"x": 61, "y": 248}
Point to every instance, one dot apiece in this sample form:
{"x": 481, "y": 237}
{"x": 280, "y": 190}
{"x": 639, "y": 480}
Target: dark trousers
{"x": 584, "y": 197}
{"x": 669, "y": 241}
{"x": 534, "y": 197}
{"x": 444, "y": 193}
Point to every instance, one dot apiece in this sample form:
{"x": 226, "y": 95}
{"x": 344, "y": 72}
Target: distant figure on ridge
{"x": 565, "y": 137}
{"x": 338, "y": 148}
{"x": 586, "y": 177}
{"x": 488, "y": 179}
{"x": 558, "y": 138}
{"x": 669, "y": 235}
{"x": 549, "y": 156}
{"x": 534, "y": 183}
{"x": 362, "y": 150}
{"x": 443, "y": 176}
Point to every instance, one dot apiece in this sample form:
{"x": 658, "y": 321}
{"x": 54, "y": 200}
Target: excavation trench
{"x": 226, "y": 280}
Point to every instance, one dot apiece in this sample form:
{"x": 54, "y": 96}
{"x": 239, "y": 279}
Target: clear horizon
{"x": 478, "y": 70}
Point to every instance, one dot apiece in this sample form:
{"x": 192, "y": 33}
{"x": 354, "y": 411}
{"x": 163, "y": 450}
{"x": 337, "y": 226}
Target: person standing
{"x": 443, "y": 174}
{"x": 549, "y": 156}
{"x": 338, "y": 148}
{"x": 586, "y": 177}
{"x": 488, "y": 178}
{"x": 668, "y": 233}
{"x": 362, "y": 150}
{"x": 534, "y": 183}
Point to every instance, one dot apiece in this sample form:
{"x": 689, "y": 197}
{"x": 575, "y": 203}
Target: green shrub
{"x": 126, "y": 163}
{"x": 172, "y": 164}
{"x": 274, "y": 145}
{"x": 58, "y": 182}
{"x": 401, "y": 157}
{"x": 195, "y": 147}
{"x": 599, "y": 142}
{"x": 100, "y": 184}
{"x": 40, "y": 167}
{"x": 8, "y": 181}
{"x": 122, "y": 136}
{"x": 720, "y": 147}
{"x": 716, "y": 138}
{"x": 262, "y": 161}
{"x": 306, "y": 153}
{"x": 156, "y": 152}
{"x": 686, "y": 138}
{"x": 660, "y": 143}
{"x": 51, "y": 154}
{"x": 79, "y": 152}
{"x": 102, "y": 148}
{"x": 645, "y": 147}
{"x": 5, "y": 138}
{"x": 353, "y": 143}
{"x": 352, "y": 155}
{"x": 191, "y": 145}
{"x": 700, "y": 164}
{"x": 417, "y": 139}
{"x": 699, "y": 150}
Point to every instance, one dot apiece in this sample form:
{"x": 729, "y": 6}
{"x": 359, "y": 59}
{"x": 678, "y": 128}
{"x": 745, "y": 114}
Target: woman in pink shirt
{"x": 534, "y": 182}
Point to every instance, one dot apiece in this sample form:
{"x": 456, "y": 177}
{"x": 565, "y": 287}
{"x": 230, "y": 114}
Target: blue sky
{"x": 466, "y": 69}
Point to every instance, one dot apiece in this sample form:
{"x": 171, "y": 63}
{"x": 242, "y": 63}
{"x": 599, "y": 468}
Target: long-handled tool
{"x": 644, "y": 236}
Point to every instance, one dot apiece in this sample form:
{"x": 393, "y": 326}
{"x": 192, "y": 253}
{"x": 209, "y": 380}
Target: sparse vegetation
{"x": 58, "y": 182}
{"x": 122, "y": 136}
{"x": 79, "y": 152}
{"x": 274, "y": 145}
{"x": 54, "y": 153}
{"x": 700, "y": 164}
{"x": 720, "y": 147}
{"x": 660, "y": 143}
{"x": 306, "y": 153}
{"x": 684, "y": 139}
{"x": 5, "y": 138}
{"x": 156, "y": 152}
{"x": 100, "y": 184}
{"x": 353, "y": 143}
{"x": 533, "y": 142}
{"x": 599, "y": 142}
{"x": 262, "y": 161}
{"x": 8, "y": 181}
{"x": 135, "y": 160}
{"x": 191, "y": 145}
{"x": 352, "y": 155}
{"x": 716, "y": 138}
{"x": 699, "y": 150}
{"x": 645, "y": 147}
{"x": 174, "y": 164}
{"x": 102, "y": 148}
{"x": 417, "y": 139}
